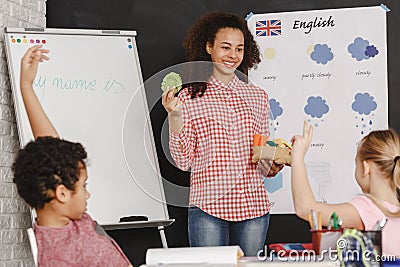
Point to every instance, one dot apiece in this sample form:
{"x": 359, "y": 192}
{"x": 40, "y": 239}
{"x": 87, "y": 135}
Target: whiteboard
{"x": 91, "y": 89}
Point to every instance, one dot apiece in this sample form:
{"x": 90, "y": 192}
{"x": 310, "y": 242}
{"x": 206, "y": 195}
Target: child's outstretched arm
{"x": 303, "y": 197}
{"x": 40, "y": 123}
{"x": 302, "y": 194}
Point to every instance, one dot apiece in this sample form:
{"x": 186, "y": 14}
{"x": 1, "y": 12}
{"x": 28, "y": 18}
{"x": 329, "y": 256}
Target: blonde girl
{"x": 378, "y": 175}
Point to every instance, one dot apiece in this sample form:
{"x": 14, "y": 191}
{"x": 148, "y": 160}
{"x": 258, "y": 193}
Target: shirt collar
{"x": 232, "y": 84}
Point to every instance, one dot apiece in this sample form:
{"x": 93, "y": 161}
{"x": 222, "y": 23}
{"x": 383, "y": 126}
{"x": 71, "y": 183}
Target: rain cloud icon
{"x": 364, "y": 103}
{"x": 276, "y": 109}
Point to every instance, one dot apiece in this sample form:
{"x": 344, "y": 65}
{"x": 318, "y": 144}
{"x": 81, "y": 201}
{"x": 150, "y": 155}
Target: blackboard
{"x": 91, "y": 89}
{"x": 162, "y": 25}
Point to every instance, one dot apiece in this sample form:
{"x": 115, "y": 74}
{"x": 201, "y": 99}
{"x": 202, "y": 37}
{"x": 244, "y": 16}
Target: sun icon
{"x": 269, "y": 53}
{"x": 310, "y": 49}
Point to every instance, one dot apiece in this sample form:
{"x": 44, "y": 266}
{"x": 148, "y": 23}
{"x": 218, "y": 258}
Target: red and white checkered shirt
{"x": 216, "y": 143}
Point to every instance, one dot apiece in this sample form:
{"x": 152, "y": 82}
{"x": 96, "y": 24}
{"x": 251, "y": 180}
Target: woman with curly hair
{"x": 212, "y": 122}
{"x": 50, "y": 175}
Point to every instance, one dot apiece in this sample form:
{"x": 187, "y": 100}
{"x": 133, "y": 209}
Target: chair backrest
{"x": 32, "y": 237}
{"x": 33, "y": 244}
{"x": 33, "y": 215}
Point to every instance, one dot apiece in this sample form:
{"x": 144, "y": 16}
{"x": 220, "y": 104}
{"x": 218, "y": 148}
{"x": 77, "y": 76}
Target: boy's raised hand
{"x": 301, "y": 143}
{"x": 40, "y": 123}
{"x": 29, "y": 64}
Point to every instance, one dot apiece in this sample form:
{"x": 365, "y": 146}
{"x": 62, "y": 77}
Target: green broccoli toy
{"x": 171, "y": 80}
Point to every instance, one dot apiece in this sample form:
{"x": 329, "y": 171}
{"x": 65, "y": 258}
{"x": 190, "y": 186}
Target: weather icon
{"x": 320, "y": 53}
{"x": 273, "y": 184}
{"x": 276, "y": 111}
{"x": 320, "y": 171}
{"x": 316, "y": 108}
{"x": 360, "y": 49}
{"x": 269, "y": 53}
{"x": 364, "y": 104}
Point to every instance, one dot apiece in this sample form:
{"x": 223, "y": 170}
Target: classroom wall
{"x": 14, "y": 213}
{"x": 161, "y": 26}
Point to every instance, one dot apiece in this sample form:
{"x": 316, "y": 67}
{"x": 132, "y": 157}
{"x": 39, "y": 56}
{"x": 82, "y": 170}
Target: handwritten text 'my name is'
{"x": 111, "y": 85}
{"x": 318, "y": 22}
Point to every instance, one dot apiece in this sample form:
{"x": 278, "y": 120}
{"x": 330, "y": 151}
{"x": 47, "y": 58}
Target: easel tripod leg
{"x": 162, "y": 235}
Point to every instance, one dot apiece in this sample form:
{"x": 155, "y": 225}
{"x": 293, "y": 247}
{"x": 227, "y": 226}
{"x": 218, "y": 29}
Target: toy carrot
{"x": 257, "y": 139}
{"x": 263, "y": 140}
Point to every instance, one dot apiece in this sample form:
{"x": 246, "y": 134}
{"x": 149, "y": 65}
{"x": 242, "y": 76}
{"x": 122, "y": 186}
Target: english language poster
{"x": 328, "y": 67}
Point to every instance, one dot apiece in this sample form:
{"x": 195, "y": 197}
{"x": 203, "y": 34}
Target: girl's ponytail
{"x": 383, "y": 148}
{"x": 396, "y": 175}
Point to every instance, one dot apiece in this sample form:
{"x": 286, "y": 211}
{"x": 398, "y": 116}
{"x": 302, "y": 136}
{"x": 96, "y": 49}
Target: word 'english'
{"x": 318, "y": 22}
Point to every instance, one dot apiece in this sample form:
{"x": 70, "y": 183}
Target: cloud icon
{"x": 316, "y": 107}
{"x": 276, "y": 109}
{"x": 364, "y": 103}
{"x": 360, "y": 49}
{"x": 322, "y": 54}
{"x": 371, "y": 51}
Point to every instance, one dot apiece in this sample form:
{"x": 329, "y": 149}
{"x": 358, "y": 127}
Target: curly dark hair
{"x": 45, "y": 163}
{"x": 204, "y": 30}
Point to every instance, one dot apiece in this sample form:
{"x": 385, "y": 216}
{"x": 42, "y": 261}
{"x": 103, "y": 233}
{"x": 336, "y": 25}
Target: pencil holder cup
{"x": 325, "y": 240}
{"x": 361, "y": 248}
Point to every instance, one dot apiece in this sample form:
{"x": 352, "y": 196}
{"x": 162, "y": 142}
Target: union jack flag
{"x": 268, "y": 27}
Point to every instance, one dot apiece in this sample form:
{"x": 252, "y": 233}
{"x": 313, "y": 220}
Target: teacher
{"x": 211, "y": 128}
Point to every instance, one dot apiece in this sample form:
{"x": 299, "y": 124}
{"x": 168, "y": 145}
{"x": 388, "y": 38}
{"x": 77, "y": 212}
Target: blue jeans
{"x": 207, "y": 230}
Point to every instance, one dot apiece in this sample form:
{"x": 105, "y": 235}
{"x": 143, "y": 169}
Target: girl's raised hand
{"x": 301, "y": 143}
{"x": 171, "y": 103}
{"x": 29, "y": 64}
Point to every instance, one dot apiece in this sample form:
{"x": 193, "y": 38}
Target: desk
{"x": 254, "y": 262}
{"x": 191, "y": 265}
{"x": 160, "y": 224}
{"x": 312, "y": 260}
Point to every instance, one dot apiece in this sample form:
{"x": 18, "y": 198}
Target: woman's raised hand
{"x": 171, "y": 103}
